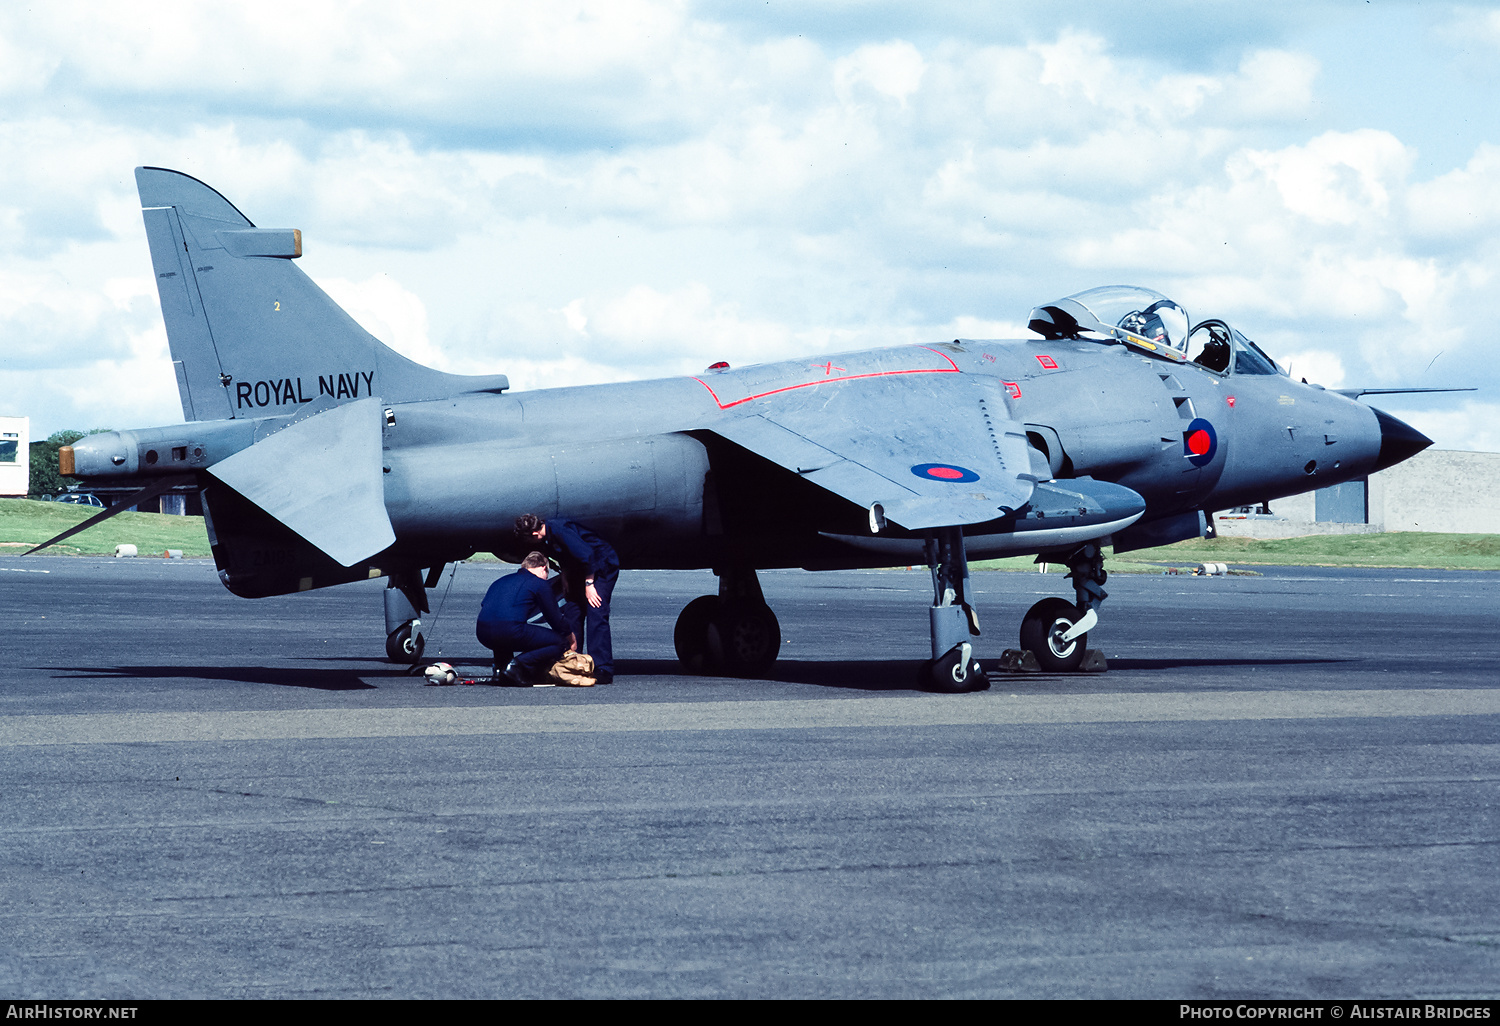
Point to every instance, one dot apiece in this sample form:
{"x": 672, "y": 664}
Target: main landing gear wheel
{"x": 690, "y": 637}
{"x": 743, "y": 640}
{"x": 954, "y": 673}
{"x": 403, "y": 645}
{"x": 1042, "y": 631}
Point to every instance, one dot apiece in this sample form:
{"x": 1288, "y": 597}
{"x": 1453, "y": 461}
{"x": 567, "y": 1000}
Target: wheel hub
{"x": 1055, "y": 640}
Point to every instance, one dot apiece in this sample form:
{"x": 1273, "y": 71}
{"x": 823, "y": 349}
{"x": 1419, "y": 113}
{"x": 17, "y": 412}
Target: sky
{"x": 580, "y": 192}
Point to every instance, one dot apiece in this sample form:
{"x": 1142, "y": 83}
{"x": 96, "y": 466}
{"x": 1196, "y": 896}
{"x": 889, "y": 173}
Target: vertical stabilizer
{"x": 251, "y": 335}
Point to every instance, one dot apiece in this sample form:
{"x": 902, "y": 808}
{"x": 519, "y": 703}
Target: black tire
{"x": 1041, "y": 633}
{"x": 950, "y": 676}
{"x": 690, "y": 636}
{"x": 401, "y": 646}
{"x": 744, "y": 640}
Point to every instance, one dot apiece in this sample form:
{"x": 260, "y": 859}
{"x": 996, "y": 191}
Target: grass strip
{"x": 25, "y": 522}
{"x": 1410, "y": 549}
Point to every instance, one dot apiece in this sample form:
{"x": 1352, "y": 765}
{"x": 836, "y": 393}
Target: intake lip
{"x": 1398, "y": 440}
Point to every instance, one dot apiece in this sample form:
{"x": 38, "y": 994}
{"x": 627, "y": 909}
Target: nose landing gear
{"x": 1046, "y": 634}
{"x": 1056, "y": 630}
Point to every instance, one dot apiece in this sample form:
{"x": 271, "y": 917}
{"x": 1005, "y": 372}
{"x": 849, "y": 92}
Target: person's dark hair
{"x": 534, "y": 560}
{"x": 527, "y": 524}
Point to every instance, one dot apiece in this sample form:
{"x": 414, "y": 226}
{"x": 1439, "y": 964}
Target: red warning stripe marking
{"x": 952, "y": 368}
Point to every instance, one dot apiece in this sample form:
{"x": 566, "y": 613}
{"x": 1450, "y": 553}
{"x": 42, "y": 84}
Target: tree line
{"x": 46, "y": 482}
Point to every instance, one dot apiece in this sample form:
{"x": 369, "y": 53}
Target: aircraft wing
{"x": 937, "y": 450}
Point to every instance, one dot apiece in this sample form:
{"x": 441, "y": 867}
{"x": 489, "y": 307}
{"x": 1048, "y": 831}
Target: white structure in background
{"x": 1437, "y": 490}
{"x": 15, "y": 457}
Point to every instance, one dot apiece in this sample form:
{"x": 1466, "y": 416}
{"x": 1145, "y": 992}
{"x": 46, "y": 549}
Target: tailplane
{"x": 250, "y": 334}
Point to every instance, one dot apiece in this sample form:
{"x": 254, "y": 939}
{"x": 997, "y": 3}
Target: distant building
{"x": 15, "y": 457}
{"x": 1437, "y": 490}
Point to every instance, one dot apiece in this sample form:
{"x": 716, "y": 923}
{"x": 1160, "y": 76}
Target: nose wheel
{"x": 1056, "y": 630}
{"x": 1043, "y": 633}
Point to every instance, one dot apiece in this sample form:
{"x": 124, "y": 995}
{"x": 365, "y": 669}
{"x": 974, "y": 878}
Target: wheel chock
{"x": 1014, "y": 660}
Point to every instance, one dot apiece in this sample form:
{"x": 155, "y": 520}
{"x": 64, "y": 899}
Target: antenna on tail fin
{"x": 250, "y": 334}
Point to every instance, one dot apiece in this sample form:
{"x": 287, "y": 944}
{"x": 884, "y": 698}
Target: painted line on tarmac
{"x": 984, "y": 709}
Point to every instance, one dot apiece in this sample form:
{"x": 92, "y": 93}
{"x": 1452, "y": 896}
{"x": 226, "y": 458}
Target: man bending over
{"x": 591, "y": 567}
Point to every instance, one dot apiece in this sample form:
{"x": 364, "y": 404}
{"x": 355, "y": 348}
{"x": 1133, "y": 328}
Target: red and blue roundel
{"x": 1200, "y": 442}
{"x": 945, "y": 472}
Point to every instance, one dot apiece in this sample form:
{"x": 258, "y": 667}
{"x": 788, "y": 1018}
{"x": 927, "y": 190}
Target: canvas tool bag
{"x": 573, "y": 670}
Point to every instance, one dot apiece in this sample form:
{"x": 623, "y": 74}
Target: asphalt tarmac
{"x": 1285, "y": 786}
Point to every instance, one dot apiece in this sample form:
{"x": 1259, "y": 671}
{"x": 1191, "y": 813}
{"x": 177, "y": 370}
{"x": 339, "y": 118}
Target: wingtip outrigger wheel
{"x": 952, "y": 668}
{"x": 954, "y": 672}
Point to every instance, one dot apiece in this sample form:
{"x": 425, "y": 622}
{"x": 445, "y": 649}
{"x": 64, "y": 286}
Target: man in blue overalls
{"x": 592, "y": 567}
{"x": 508, "y": 605}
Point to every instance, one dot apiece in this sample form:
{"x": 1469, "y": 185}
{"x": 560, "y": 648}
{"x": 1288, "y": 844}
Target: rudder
{"x": 251, "y": 335}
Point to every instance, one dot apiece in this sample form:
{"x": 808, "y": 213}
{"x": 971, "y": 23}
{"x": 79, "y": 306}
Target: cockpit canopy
{"x": 1144, "y": 313}
{"x": 1150, "y": 322}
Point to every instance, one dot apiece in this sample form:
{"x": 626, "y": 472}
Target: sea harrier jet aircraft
{"x": 325, "y": 457}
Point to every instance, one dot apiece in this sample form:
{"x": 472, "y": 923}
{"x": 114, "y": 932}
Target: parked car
{"x": 1260, "y": 512}
{"x": 80, "y": 499}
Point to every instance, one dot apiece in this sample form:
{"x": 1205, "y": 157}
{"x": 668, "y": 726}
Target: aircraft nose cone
{"x": 1398, "y": 440}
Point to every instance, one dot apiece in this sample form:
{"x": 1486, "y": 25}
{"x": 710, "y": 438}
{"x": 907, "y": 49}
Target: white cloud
{"x": 1270, "y": 85}
{"x": 1319, "y": 366}
{"x": 392, "y": 314}
{"x": 892, "y": 70}
{"x": 1344, "y": 178}
{"x": 1463, "y": 202}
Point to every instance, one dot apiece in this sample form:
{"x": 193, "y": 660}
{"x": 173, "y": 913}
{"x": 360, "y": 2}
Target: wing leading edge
{"x": 935, "y": 450}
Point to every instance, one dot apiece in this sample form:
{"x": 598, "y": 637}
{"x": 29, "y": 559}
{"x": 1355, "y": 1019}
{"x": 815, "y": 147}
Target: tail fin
{"x": 250, "y": 334}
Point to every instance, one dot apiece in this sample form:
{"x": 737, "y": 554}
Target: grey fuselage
{"x": 650, "y": 464}
{"x": 639, "y": 461}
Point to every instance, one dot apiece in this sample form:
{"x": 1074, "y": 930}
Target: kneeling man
{"x": 502, "y": 627}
